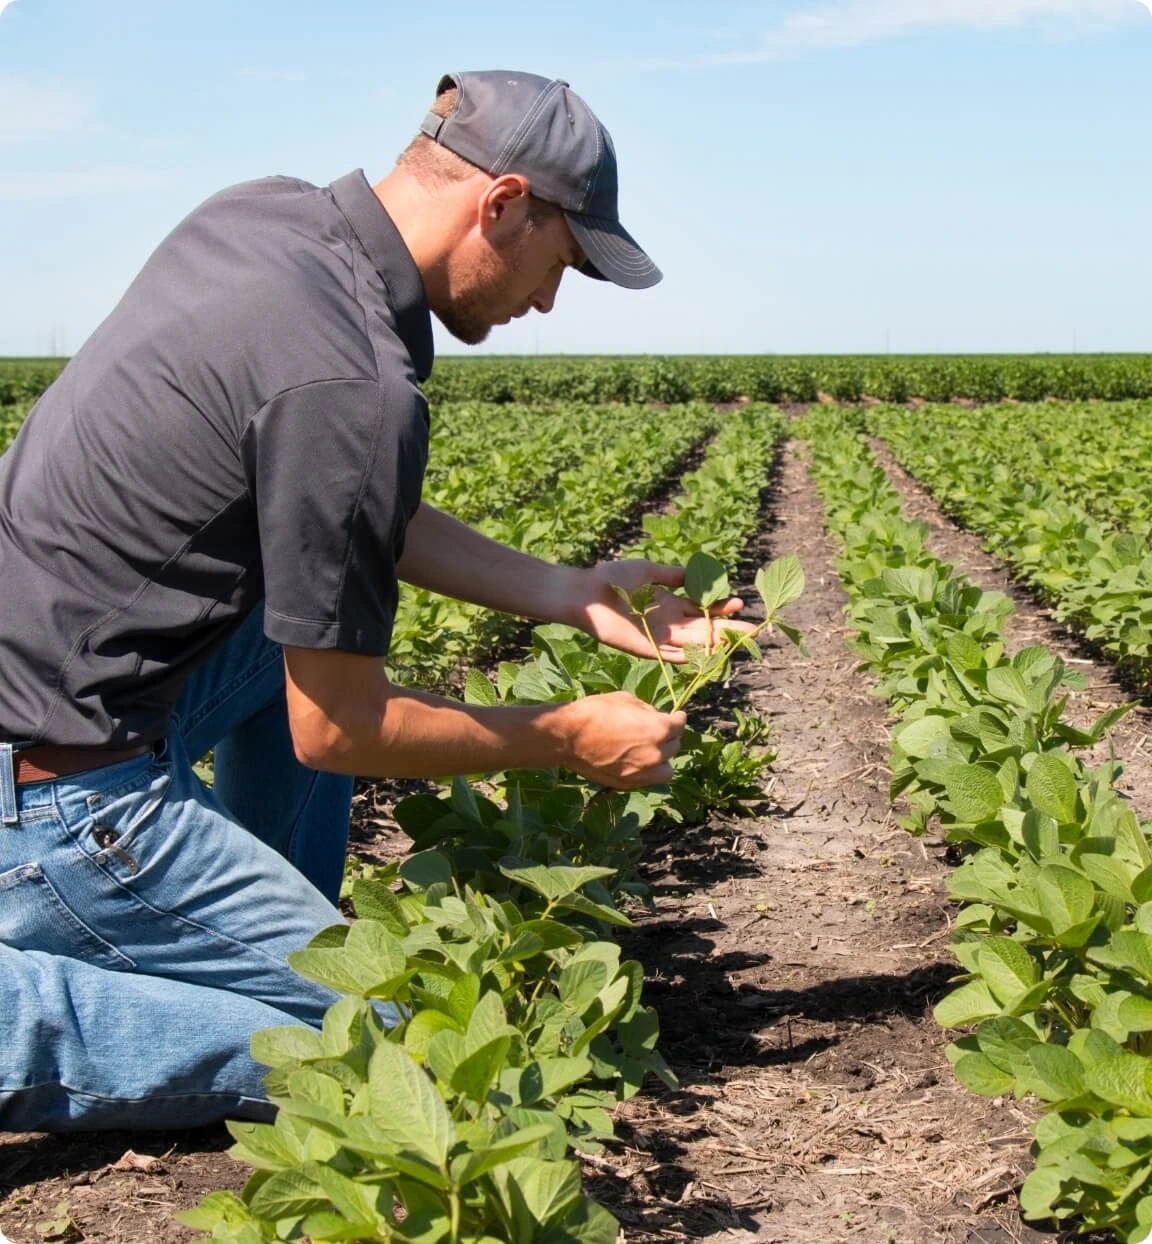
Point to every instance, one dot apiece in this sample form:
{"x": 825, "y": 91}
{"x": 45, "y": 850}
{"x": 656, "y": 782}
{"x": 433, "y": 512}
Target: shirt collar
{"x": 393, "y": 260}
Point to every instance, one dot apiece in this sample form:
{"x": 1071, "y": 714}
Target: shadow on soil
{"x": 79, "y": 1155}
{"x": 709, "y": 1024}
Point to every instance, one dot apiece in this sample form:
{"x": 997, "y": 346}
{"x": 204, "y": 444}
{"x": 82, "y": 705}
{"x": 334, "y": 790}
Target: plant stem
{"x": 708, "y": 675}
{"x": 454, "y": 1203}
{"x": 663, "y": 663}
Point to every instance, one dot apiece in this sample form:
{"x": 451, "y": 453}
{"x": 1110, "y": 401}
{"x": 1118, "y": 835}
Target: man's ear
{"x": 503, "y": 204}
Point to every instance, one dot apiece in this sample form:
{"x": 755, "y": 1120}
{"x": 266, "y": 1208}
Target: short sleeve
{"x": 335, "y": 470}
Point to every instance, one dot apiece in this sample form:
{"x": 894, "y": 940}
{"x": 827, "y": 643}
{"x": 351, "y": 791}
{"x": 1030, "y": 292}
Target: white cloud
{"x": 30, "y": 111}
{"x": 72, "y": 183}
{"x": 849, "y": 23}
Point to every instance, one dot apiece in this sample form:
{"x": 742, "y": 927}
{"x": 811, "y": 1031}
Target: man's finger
{"x": 729, "y": 607}
{"x": 665, "y": 576}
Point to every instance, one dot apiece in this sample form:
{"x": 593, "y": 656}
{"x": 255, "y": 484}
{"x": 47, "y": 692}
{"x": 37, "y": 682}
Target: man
{"x": 202, "y": 525}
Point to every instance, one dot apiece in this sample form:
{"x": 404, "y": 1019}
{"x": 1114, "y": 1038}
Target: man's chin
{"x": 470, "y": 332}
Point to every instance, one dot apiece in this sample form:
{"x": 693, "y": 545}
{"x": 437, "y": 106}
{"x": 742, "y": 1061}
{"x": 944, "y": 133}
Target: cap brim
{"x": 612, "y": 252}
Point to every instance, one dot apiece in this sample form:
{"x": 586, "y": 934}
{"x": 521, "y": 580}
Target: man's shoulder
{"x": 262, "y": 188}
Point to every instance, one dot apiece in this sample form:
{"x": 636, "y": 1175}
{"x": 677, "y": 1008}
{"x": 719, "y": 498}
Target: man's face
{"x": 500, "y": 279}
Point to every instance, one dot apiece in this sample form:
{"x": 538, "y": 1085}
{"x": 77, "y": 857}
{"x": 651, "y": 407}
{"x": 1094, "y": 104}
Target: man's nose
{"x": 545, "y": 297}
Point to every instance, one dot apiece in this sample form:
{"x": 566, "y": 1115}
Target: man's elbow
{"x": 323, "y": 746}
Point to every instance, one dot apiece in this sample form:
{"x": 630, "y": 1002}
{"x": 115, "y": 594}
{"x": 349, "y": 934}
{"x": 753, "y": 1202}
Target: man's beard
{"x": 469, "y": 315}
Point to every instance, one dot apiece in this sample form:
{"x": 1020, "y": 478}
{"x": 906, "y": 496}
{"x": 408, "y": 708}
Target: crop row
{"x": 486, "y": 459}
{"x": 794, "y": 378}
{"x": 579, "y": 512}
{"x": 1055, "y": 936}
{"x": 1091, "y": 456}
{"x": 771, "y": 378}
{"x": 1098, "y": 577}
{"x": 513, "y": 1027}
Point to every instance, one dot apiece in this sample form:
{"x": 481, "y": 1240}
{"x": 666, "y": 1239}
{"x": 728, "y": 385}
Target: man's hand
{"x": 617, "y": 740}
{"x": 675, "y": 622}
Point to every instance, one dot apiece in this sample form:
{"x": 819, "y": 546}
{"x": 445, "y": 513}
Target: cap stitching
{"x": 504, "y": 159}
{"x": 529, "y": 117}
{"x": 594, "y": 175}
{"x": 633, "y": 259}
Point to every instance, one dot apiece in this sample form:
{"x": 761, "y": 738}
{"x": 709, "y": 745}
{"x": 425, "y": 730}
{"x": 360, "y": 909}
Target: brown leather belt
{"x": 45, "y": 761}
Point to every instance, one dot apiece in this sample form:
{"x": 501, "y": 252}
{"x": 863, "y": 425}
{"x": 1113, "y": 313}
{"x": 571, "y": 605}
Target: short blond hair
{"x": 431, "y": 164}
{"x": 435, "y": 166}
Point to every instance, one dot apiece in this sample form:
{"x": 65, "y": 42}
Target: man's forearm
{"x": 347, "y": 718}
{"x": 447, "y": 556}
{"x": 420, "y": 735}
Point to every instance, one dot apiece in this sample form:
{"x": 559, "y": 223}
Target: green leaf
{"x": 547, "y": 1077}
{"x": 370, "y": 957}
{"x": 966, "y": 1005}
{"x": 706, "y": 580}
{"x": 263, "y": 1146}
{"x": 422, "y": 1027}
{"x": 1005, "y": 684}
{"x": 375, "y": 900}
{"x": 555, "y": 881}
{"x": 974, "y": 793}
{"x": 1127, "y": 949}
{"x": 478, "y": 690}
{"x": 406, "y": 1105}
{"x": 585, "y": 1223}
{"x": 793, "y": 634}
{"x": 965, "y": 652}
{"x": 276, "y": 1047}
{"x": 1060, "y": 1072}
{"x": 1051, "y": 787}
{"x": 1122, "y": 1080}
{"x": 463, "y": 997}
{"x": 980, "y": 1075}
{"x": 540, "y": 1191}
{"x": 780, "y": 583}
{"x": 925, "y": 739}
{"x": 1007, "y": 968}
{"x": 469, "y": 1167}
{"x": 476, "y": 1073}
{"x": 1041, "y": 834}
{"x": 426, "y": 869}
{"x": 1135, "y": 1013}
{"x": 598, "y": 911}
{"x": 288, "y": 1194}
{"x": 217, "y": 1208}
{"x": 1065, "y": 898}
{"x": 309, "y": 1085}
{"x": 581, "y": 981}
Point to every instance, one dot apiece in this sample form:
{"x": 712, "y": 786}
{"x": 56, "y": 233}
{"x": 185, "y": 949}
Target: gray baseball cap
{"x": 509, "y": 122}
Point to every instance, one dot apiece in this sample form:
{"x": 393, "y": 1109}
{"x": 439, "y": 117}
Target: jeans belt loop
{"x": 8, "y": 809}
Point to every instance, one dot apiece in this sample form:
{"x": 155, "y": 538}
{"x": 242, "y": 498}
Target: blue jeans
{"x": 145, "y": 919}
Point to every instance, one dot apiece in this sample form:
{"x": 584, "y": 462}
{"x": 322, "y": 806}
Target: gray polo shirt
{"x": 244, "y": 428}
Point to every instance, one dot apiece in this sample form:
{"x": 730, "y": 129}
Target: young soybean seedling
{"x": 706, "y": 583}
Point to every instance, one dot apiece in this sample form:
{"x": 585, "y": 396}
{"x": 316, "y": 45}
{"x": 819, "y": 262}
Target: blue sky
{"x": 828, "y": 175}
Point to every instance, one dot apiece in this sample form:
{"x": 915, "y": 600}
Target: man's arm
{"x": 346, "y": 717}
{"x": 447, "y": 556}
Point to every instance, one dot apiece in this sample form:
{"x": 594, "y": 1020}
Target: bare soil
{"x": 794, "y": 959}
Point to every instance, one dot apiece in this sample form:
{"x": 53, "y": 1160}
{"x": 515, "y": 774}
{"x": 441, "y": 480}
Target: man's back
{"x": 130, "y": 533}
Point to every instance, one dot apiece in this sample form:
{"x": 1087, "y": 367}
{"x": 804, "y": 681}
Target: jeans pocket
{"x": 34, "y": 916}
{"x": 119, "y": 818}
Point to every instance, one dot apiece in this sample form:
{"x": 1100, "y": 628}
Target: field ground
{"x": 794, "y": 959}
